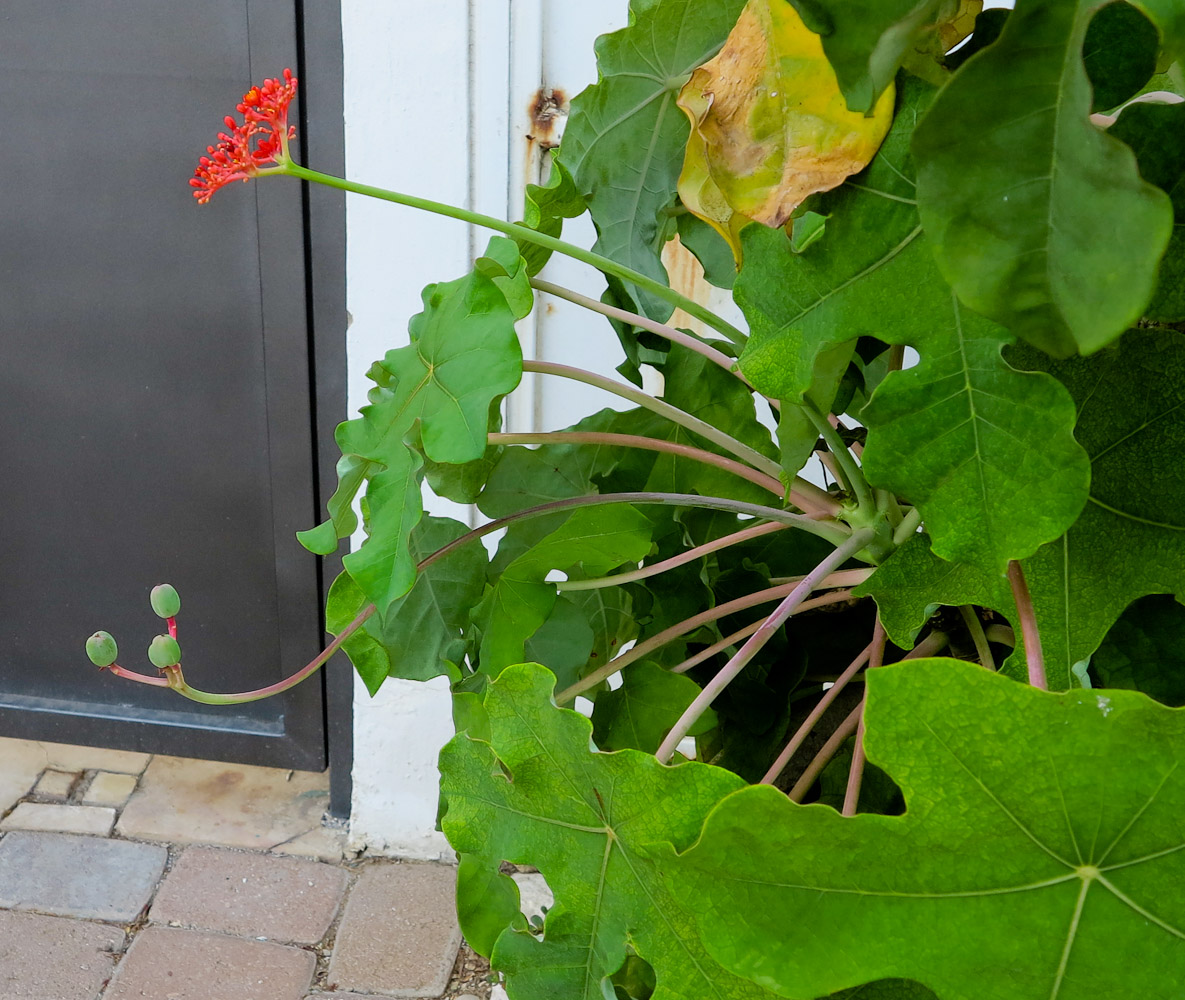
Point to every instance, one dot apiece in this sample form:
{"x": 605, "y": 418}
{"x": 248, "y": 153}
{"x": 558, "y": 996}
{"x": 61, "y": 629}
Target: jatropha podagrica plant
{"x": 956, "y": 239}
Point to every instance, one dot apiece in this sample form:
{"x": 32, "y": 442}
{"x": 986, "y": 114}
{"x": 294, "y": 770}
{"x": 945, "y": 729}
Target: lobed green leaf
{"x": 1040, "y": 854}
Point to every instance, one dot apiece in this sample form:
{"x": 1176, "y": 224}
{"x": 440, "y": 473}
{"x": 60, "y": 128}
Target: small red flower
{"x": 260, "y": 141}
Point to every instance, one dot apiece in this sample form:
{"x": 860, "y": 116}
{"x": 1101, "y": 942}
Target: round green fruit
{"x": 164, "y": 651}
{"x": 165, "y": 600}
{"x": 101, "y": 648}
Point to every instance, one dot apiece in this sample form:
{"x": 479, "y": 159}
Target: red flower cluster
{"x": 260, "y": 140}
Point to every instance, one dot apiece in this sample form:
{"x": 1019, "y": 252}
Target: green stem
{"x": 675, "y": 336}
{"x": 688, "y": 625}
{"x": 978, "y": 636}
{"x": 520, "y": 232}
{"x": 853, "y": 478}
{"x": 754, "y": 644}
{"x": 908, "y": 527}
{"x": 662, "y": 408}
{"x": 645, "y": 572}
{"x": 646, "y": 444}
{"x": 851, "y": 799}
{"x": 816, "y": 713}
{"x": 1028, "y": 625}
{"x": 175, "y": 680}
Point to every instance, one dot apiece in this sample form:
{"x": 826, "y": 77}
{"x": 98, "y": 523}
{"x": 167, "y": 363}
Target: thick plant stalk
{"x": 662, "y": 408}
{"x": 645, "y": 572}
{"x": 932, "y": 644}
{"x": 826, "y": 752}
{"x": 716, "y": 647}
{"x": 833, "y": 692}
{"x": 1028, "y": 626}
{"x": 660, "y": 639}
{"x": 851, "y": 799}
{"x": 175, "y": 680}
{"x": 647, "y": 444}
{"x": 520, "y": 232}
{"x": 758, "y": 639}
{"x": 670, "y": 333}
{"x": 850, "y": 473}
{"x": 806, "y": 496}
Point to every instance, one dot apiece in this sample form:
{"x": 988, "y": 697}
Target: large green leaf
{"x": 536, "y": 795}
{"x": 421, "y": 633}
{"x": 1130, "y": 540}
{"x": 1039, "y": 857}
{"x": 866, "y": 40}
{"x": 596, "y": 539}
{"x": 1039, "y": 220}
{"x": 964, "y": 436}
{"x": 625, "y": 138}
{"x": 464, "y": 353}
{"x": 987, "y": 453}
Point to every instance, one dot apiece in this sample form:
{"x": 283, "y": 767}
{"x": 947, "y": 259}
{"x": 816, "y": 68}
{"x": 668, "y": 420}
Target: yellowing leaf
{"x": 769, "y": 126}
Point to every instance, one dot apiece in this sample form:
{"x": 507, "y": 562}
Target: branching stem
{"x": 826, "y": 752}
{"x": 851, "y": 799}
{"x": 662, "y": 408}
{"x": 647, "y": 444}
{"x": 908, "y": 527}
{"x": 803, "y": 731}
{"x": 690, "y": 555}
{"x": 852, "y": 476}
{"x": 520, "y": 232}
{"x": 660, "y": 639}
{"x": 758, "y": 639}
{"x": 675, "y": 336}
{"x": 175, "y": 679}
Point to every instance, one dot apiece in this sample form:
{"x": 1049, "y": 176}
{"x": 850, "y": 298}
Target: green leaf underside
{"x": 463, "y": 354}
{"x": 1041, "y": 855}
{"x": 546, "y": 206}
{"x": 625, "y": 137}
{"x": 1130, "y": 540}
{"x": 580, "y": 817}
{"x": 421, "y": 633}
{"x": 1039, "y": 220}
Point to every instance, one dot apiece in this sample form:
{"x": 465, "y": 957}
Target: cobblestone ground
{"x": 127, "y": 876}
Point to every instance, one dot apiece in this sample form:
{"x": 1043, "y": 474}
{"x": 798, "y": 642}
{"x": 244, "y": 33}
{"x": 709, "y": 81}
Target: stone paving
{"x": 155, "y": 878}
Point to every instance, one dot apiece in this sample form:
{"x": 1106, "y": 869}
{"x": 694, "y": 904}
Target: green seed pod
{"x": 165, "y": 600}
{"x": 164, "y": 651}
{"x": 102, "y": 650}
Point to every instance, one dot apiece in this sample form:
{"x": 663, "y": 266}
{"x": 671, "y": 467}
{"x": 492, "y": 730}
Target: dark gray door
{"x": 157, "y": 382}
